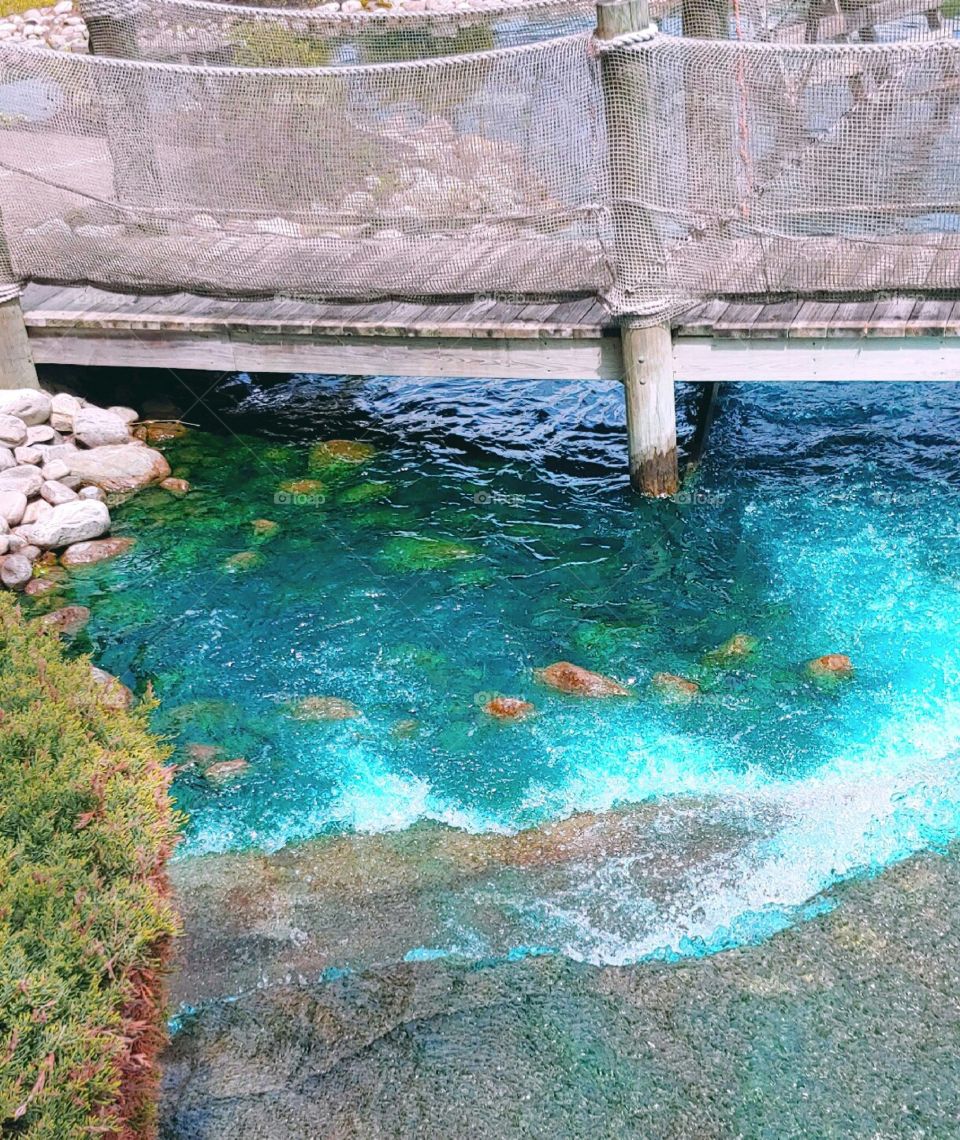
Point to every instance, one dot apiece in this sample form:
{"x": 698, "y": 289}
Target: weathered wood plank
{"x": 775, "y": 319}
{"x": 813, "y": 319}
{"x": 482, "y": 358}
{"x": 890, "y": 316}
{"x": 929, "y": 318}
{"x": 737, "y": 320}
{"x": 852, "y": 318}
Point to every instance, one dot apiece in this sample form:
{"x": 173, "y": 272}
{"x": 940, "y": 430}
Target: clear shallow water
{"x": 826, "y": 519}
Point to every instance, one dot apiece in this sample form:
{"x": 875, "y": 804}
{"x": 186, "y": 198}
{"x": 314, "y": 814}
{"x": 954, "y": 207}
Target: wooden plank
{"x": 775, "y": 319}
{"x": 890, "y": 316}
{"x": 852, "y": 318}
{"x": 700, "y": 320}
{"x": 813, "y": 319}
{"x": 877, "y": 360}
{"x": 929, "y": 318}
{"x": 501, "y": 358}
{"x": 737, "y": 319}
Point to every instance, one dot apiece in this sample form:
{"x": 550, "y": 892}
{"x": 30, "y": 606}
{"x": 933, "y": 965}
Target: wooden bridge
{"x": 890, "y": 339}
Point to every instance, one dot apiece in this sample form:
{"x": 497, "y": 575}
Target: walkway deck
{"x": 900, "y": 338}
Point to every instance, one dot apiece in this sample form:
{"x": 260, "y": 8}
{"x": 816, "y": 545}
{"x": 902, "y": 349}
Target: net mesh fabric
{"x": 478, "y": 174}
{"x": 764, "y": 170}
{"x": 654, "y": 173}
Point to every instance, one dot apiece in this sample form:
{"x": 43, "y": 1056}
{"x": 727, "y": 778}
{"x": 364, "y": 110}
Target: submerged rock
{"x": 313, "y": 487}
{"x": 239, "y": 563}
{"x": 324, "y": 708}
{"x": 178, "y": 487}
{"x": 831, "y": 665}
{"x": 675, "y": 688}
{"x": 160, "y": 432}
{"x": 223, "y": 770}
{"x": 69, "y": 619}
{"x": 735, "y": 648}
{"x": 508, "y": 708}
{"x": 364, "y": 493}
{"x": 98, "y": 550}
{"x": 334, "y": 452}
{"x": 264, "y": 528}
{"x": 568, "y": 678}
{"x": 426, "y": 553}
{"x": 203, "y": 753}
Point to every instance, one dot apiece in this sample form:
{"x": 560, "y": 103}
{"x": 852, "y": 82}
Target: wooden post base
{"x": 651, "y": 411}
{"x": 16, "y": 362}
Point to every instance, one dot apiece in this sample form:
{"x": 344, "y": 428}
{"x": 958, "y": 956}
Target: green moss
{"x": 364, "y": 493}
{"x": 86, "y": 827}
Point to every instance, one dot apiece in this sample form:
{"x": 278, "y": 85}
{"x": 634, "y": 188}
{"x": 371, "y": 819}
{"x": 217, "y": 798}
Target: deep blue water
{"x": 826, "y": 518}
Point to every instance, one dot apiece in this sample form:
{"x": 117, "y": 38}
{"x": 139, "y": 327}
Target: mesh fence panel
{"x": 769, "y": 170}
{"x": 474, "y": 175}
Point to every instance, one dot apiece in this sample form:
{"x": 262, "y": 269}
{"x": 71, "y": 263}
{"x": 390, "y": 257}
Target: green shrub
{"x": 86, "y": 827}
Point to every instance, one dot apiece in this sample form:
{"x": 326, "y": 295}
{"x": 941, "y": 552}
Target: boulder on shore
{"x": 115, "y": 467}
{"x": 95, "y": 427}
{"x": 568, "y": 678}
{"x": 27, "y": 404}
{"x": 69, "y": 523}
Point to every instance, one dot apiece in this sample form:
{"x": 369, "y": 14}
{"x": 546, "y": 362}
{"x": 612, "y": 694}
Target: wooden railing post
{"x": 16, "y": 360}
{"x": 647, "y": 349}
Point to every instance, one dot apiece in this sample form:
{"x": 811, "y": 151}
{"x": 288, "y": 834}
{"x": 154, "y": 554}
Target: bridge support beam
{"x": 651, "y": 411}
{"x": 16, "y": 361}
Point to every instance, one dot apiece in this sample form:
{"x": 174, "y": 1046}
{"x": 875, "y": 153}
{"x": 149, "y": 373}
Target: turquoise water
{"x": 490, "y": 533}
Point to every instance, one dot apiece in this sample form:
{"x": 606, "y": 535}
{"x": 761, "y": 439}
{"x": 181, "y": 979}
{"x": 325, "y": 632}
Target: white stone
{"x": 128, "y": 415}
{"x": 97, "y": 427}
{"x": 63, "y": 8}
{"x": 13, "y": 431}
{"x": 54, "y": 469}
{"x": 37, "y": 510}
{"x": 28, "y": 404}
{"x": 24, "y": 478}
{"x": 63, "y": 407}
{"x": 41, "y": 433}
{"x": 15, "y": 571}
{"x": 6, "y": 458}
{"x": 55, "y": 493}
{"x": 12, "y": 506}
{"x": 123, "y": 467}
{"x": 70, "y": 522}
{"x": 30, "y": 455}
{"x": 92, "y": 493}
{"x": 4, "y": 543}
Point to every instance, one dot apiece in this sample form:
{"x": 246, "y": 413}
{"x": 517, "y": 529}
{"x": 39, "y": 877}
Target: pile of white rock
{"x": 56, "y": 27}
{"x": 59, "y": 458}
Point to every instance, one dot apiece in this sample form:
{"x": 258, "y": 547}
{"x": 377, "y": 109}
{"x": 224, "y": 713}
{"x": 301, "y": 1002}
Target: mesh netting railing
{"x": 654, "y": 172}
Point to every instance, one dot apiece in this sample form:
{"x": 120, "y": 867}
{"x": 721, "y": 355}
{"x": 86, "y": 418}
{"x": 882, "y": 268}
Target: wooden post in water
{"x": 647, "y": 350}
{"x": 651, "y": 411}
{"x": 16, "y": 361}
